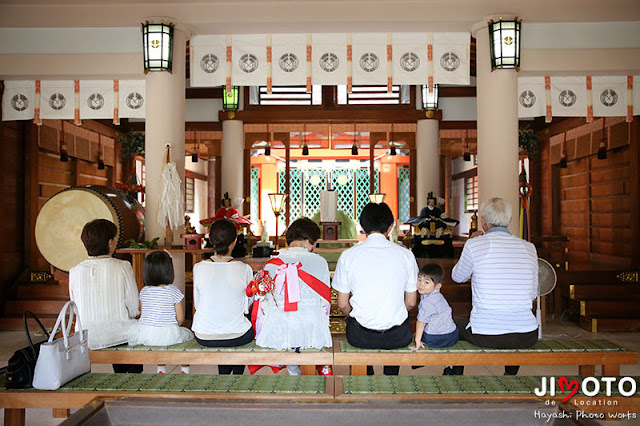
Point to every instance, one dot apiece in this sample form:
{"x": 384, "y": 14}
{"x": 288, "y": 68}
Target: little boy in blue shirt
{"x": 434, "y": 325}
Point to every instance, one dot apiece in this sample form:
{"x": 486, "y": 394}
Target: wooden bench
{"x": 82, "y": 390}
{"x": 191, "y": 353}
{"x": 479, "y": 389}
{"x": 585, "y": 354}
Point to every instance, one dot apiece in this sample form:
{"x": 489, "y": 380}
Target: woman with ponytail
{"x": 219, "y": 295}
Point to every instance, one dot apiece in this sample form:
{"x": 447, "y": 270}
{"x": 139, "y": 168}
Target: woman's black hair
{"x": 96, "y": 236}
{"x": 433, "y": 271}
{"x": 222, "y": 234}
{"x": 158, "y": 269}
{"x": 376, "y": 218}
{"x": 303, "y": 229}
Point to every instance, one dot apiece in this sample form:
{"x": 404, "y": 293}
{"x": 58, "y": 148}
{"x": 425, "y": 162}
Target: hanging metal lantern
{"x": 504, "y": 42}
{"x": 230, "y": 99}
{"x": 157, "y": 46}
{"x": 429, "y": 99}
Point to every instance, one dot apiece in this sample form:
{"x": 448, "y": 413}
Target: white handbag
{"x": 61, "y": 360}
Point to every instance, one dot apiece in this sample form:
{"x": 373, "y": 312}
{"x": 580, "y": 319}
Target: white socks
{"x": 162, "y": 369}
{"x": 294, "y": 370}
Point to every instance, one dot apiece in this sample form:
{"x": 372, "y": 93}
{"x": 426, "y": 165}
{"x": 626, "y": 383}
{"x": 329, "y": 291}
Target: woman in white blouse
{"x": 105, "y": 291}
{"x": 219, "y": 295}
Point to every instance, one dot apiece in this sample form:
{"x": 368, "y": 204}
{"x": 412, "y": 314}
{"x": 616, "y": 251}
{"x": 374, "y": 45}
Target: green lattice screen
{"x": 404, "y": 194}
{"x": 282, "y": 221}
{"x": 255, "y": 194}
{"x": 362, "y": 190}
{"x": 344, "y": 187}
{"x": 312, "y": 192}
{"x": 295, "y": 194}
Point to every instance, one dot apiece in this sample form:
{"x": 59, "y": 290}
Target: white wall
{"x": 200, "y": 207}
{"x": 202, "y": 110}
{"x": 458, "y": 109}
{"x": 458, "y": 165}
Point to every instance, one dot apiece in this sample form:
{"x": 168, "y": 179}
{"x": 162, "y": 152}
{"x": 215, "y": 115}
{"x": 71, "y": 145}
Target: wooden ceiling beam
{"x": 204, "y": 93}
{"x": 457, "y": 92}
{"x": 329, "y": 116}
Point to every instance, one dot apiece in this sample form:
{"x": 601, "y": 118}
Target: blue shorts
{"x": 440, "y": 340}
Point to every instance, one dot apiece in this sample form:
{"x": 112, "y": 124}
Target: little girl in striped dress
{"x": 161, "y": 308}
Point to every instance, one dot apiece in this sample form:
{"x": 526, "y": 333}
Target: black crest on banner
{"x": 19, "y": 102}
{"x": 209, "y": 63}
{"x": 329, "y": 62}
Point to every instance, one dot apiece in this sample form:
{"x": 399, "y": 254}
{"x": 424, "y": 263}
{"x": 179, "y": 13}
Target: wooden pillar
{"x": 497, "y": 99}
{"x": 634, "y": 130}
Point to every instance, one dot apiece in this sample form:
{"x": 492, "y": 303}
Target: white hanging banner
{"x": 328, "y": 64}
{"x": 18, "y": 100}
{"x": 569, "y": 96}
{"x": 636, "y": 95}
{"x": 451, "y": 57}
{"x": 329, "y": 59}
{"x": 96, "y": 99}
{"x": 249, "y": 60}
{"x": 57, "y": 99}
{"x": 208, "y": 59}
{"x": 132, "y": 98}
{"x": 531, "y": 97}
{"x": 410, "y": 58}
{"x": 289, "y": 63}
{"x": 609, "y": 96}
{"x": 369, "y": 58}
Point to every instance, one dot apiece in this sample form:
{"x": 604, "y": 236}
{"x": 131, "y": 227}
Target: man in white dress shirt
{"x": 504, "y": 281}
{"x": 381, "y": 277}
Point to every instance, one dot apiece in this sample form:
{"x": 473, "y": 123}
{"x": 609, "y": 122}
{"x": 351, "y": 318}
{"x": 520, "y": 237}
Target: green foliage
{"x": 132, "y": 144}
{"x": 528, "y": 140}
{"x": 143, "y": 245}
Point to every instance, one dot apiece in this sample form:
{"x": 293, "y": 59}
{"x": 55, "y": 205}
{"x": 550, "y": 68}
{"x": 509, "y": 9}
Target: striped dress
{"x": 504, "y": 282}
{"x": 158, "y": 325}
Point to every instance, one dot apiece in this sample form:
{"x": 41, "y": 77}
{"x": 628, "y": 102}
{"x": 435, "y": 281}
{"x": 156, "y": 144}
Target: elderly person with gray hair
{"x": 504, "y": 282}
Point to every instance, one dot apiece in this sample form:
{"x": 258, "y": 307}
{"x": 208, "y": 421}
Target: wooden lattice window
{"x": 285, "y": 95}
{"x": 189, "y": 194}
{"x": 471, "y": 194}
{"x": 374, "y": 95}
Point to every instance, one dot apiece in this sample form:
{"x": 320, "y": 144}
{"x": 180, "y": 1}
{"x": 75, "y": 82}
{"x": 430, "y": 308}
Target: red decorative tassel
{"x": 602, "y": 148}
{"x": 563, "y": 161}
{"x": 64, "y": 156}
{"x": 602, "y": 151}
{"x": 466, "y": 155}
{"x": 563, "y": 156}
{"x": 100, "y": 156}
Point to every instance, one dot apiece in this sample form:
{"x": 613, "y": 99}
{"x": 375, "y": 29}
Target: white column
{"x": 427, "y": 161}
{"x": 164, "y": 125}
{"x": 497, "y": 126}
{"x": 232, "y": 159}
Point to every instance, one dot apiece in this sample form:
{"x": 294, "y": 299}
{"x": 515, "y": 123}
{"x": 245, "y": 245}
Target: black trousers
{"x": 238, "y": 341}
{"x": 497, "y": 341}
{"x": 396, "y": 337}
{"x": 127, "y": 368}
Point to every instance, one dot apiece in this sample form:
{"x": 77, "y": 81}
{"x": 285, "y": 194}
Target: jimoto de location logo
{"x": 594, "y": 395}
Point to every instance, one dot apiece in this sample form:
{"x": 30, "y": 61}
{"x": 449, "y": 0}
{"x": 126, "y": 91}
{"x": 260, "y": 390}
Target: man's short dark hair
{"x": 303, "y": 229}
{"x": 376, "y": 218}
{"x": 433, "y": 271}
{"x": 96, "y": 236}
{"x": 158, "y": 269}
{"x": 222, "y": 233}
